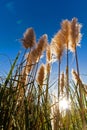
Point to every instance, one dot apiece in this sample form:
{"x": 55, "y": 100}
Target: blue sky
{"x": 45, "y": 17}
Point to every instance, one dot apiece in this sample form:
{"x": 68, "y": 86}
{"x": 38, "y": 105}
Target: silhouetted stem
{"x": 59, "y": 79}
{"x": 77, "y": 65}
{"x": 47, "y": 88}
{"x": 67, "y": 74}
{"x": 39, "y": 94}
{"x": 67, "y": 87}
{"x": 59, "y": 62}
{"x": 80, "y": 92}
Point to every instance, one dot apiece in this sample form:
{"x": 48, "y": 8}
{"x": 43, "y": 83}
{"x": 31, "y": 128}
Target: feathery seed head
{"x": 48, "y": 53}
{"x": 29, "y": 38}
{"x": 48, "y": 68}
{"x": 36, "y": 52}
{"x": 42, "y": 44}
{"x": 29, "y": 62}
{"x": 65, "y": 28}
{"x": 75, "y": 34}
{"x": 41, "y": 75}
{"x": 35, "y": 55}
{"x": 76, "y": 76}
{"x": 57, "y": 45}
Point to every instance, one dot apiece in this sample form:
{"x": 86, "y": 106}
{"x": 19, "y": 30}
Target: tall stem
{"x": 80, "y": 93}
{"x": 59, "y": 79}
{"x": 76, "y": 57}
{"x": 59, "y": 62}
{"x": 67, "y": 74}
{"x": 67, "y": 87}
{"x": 47, "y": 88}
{"x": 39, "y": 94}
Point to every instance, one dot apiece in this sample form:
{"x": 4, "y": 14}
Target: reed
{"x": 27, "y": 100}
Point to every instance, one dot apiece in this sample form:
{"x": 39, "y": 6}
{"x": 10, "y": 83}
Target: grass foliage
{"x": 26, "y": 102}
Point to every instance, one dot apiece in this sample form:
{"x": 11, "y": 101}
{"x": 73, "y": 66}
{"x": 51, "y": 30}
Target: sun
{"x": 63, "y": 104}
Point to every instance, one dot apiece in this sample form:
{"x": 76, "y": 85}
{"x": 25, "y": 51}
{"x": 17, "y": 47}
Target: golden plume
{"x": 29, "y": 38}
{"x": 41, "y": 75}
{"x": 42, "y": 44}
{"x": 37, "y": 52}
{"x": 57, "y": 45}
{"x": 29, "y": 63}
{"x": 48, "y": 53}
{"x": 75, "y": 34}
{"x": 76, "y": 77}
{"x": 34, "y": 55}
{"x": 65, "y": 29}
{"x": 48, "y": 68}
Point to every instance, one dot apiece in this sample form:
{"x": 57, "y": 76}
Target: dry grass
{"x": 26, "y": 102}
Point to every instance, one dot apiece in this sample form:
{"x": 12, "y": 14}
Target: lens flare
{"x": 64, "y": 104}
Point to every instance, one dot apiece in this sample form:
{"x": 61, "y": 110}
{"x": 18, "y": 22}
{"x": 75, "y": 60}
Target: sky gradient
{"x": 45, "y": 17}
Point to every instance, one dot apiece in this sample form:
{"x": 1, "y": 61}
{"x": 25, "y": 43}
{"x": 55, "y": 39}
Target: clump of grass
{"x": 26, "y": 102}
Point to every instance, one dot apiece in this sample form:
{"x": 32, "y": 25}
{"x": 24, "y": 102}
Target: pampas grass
{"x": 27, "y": 100}
{"x": 29, "y": 38}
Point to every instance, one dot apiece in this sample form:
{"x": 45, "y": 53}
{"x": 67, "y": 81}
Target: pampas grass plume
{"x": 42, "y": 44}
{"x": 48, "y": 54}
{"x": 41, "y": 75}
{"x": 29, "y": 38}
{"x": 75, "y": 34}
{"x": 48, "y": 68}
{"x": 65, "y": 28}
{"x": 57, "y": 45}
{"x": 76, "y": 78}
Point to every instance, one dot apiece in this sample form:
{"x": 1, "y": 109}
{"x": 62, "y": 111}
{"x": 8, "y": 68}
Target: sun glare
{"x": 64, "y": 104}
